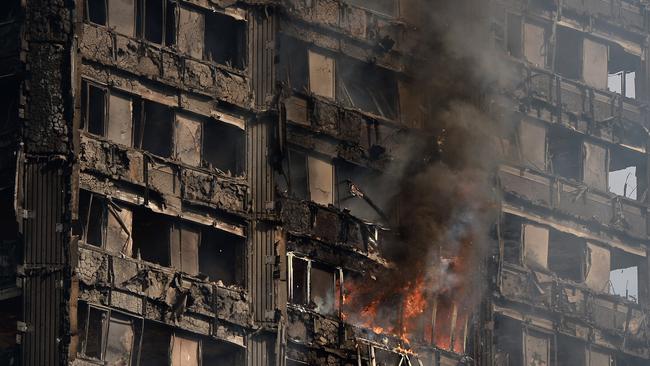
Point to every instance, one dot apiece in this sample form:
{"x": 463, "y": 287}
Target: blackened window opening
{"x": 225, "y": 40}
{"x": 293, "y": 64}
{"x": 514, "y": 35}
{"x": 151, "y": 237}
{"x": 565, "y": 152}
{"x": 159, "y": 21}
{"x": 221, "y": 257}
{"x": 9, "y": 106}
{"x": 566, "y": 256}
{"x": 96, "y": 11}
{"x": 153, "y": 128}
{"x": 155, "y": 344}
{"x": 221, "y": 353}
{"x": 92, "y": 218}
{"x": 300, "y": 281}
{"x": 568, "y": 59}
{"x": 511, "y": 235}
{"x": 298, "y": 177}
{"x": 367, "y": 87}
{"x": 224, "y": 147}
{"x": 93, "y": 109}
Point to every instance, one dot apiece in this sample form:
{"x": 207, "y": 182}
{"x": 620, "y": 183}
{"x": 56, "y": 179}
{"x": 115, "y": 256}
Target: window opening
{"x": 229, "y": 154}
{"x": 158, "y": 21}
{"x": 622, "y": 69}
{"x": 298, "y": 176}
{"x": 624, "y": 276}
{"x": 565, "y": 154}
{"x": 225, "y": 40}
{"x": 151, "y": 237}
{"x": 566, "y": 256}
{"x": 367, "y": 87}
{"x": 221, "y": 256}
{"x": 569, "y": 53}
{"x": 96, "y": 11}
{"x": 94, "y": 108}
{"x": 626, "y": 173}
{"x": 154, "y": 128}
{"x": 314, "y": 285}
{"x": 514, "y": 39}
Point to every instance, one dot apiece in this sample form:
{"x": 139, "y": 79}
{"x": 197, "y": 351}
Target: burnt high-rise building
{"x": 324, "y": 182}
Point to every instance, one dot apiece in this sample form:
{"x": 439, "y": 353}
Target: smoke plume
{"x": 443, "y": 197}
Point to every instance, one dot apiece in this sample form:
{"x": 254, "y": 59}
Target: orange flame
{"x": 426, "y": 311}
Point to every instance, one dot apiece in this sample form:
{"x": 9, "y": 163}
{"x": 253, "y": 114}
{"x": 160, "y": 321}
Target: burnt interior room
{"x": 225, "y": 40}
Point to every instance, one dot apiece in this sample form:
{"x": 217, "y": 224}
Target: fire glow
{"x": 428, "y": 310}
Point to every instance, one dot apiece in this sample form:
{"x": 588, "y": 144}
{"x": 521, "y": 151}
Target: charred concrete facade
{"x": 195, "y": 182}
{"x": 573, "y": 238}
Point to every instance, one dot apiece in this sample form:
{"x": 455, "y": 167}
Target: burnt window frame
{"x": 297, "y": 158}
{"x": 241, "y": 42}
{"x": 177, "y": 333}
{"x": 565, "y": 70}
{"x": 137, "y": 325}
{"x": 339, "y": 278}
{"x": 547, "y": 51}
{"x": 240, "y": 163}
{"x": 350, "y": 177}
{"x": 133, "y": 98}
{"x": 84, "y": 222}
{"x": 167, "y": 40}
{"x": 388, "y": 107}
{"x": 539, "y": 333}
{"x": 108, "y": 92}
{"x": 207, "y": 127}
{"x": 86, "y": 86}
{"x": 108, "y": 208}
{"x": 575, "y": 247}
{"x": 166, "y": 223}
{"x": 175, "y": 226}
{"x": 11, "y": 101}
{"x": 302, "y": 189}
{"x": 15, "y": 12}
{"x": 172, "y": 333}
{"x": 514, "y": 38}
{"x": 623, "y": 260}
{"x": 384, "y": 94}
{"x": 571, "y": 143}
{"x": 367, "y": 353}
{"x": 511, "y": 238}
{"x": 618, "y": 155}
{"x": 239, "y": 248}
{"x": 293, "y": 68}
{"x": 620, "y": 61}
{"x": 87, "y": 12}
{"x": 194, "y": 118}
{"x": 139, "y": 15}
{"x": 140, "y": 122}
{"x": 107, "y": 21}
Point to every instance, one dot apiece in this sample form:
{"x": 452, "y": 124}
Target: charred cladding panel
{"x": 261, "y": 237}
{"x": 45, "y": 251}
{"x": 262, "y": 30}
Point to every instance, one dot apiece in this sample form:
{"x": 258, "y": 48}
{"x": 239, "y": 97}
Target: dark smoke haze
{"x": 443, "y": 183}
